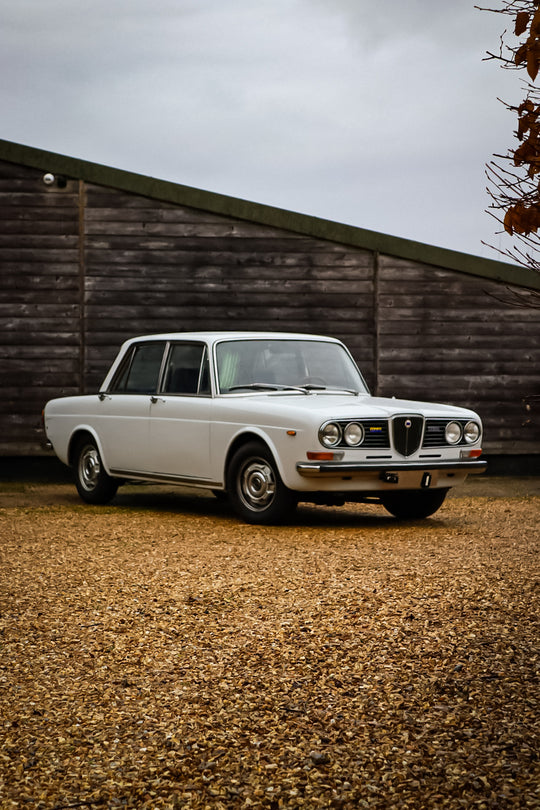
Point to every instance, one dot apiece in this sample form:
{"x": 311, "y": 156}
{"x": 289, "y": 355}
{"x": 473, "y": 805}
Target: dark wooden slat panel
{"x": 122, "y": 233}
{"x": 48, "y": 241}
{"x": 100, "y": 276}
{"x": 444, "y": 367}
{"x": 40, "y": 395}
{"x": 40, "y": 310}
{"x": 440, "y": 342}
{"x": 17, "y": 269}
{"x": 313, "y": 286}
{"x": 442, "y": 303}
{"x": 30, "y": 334}
{"x": 49, "y": 198}
{"x": 462, "y": 354}
{"x": 13, "y": 368}
{"x": 96, "y": 215}
{"x": 40, "y": 254}
{"x": 260, "y": 244}
{"x": 179, "y": 315}
{"x": 389, "y": 329}
{"x": 36, "y": 214}
{"x": 30, "y": 283}
{"x": 58, "y": 228}
{"x": 35, "y": 352}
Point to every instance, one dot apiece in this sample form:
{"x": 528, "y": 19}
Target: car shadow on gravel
{"x": 204, "y": 505}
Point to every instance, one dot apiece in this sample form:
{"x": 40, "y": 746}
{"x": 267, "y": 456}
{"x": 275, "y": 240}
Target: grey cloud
{"x": 375, "y": 112}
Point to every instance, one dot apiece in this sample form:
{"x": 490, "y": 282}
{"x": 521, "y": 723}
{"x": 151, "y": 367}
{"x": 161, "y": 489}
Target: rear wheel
{"x": 93, "y": 483}
{"x": 411, "y": 504}
{"x": 255, "y": 488}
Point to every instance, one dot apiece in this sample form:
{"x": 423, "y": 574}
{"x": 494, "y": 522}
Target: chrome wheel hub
{"x": 89, "y": 468}
{"x": 257, "y": 484}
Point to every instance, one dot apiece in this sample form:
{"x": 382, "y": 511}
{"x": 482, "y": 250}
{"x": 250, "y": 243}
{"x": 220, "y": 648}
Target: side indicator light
{"x": 470, "y": 454}
{"x": 291, "y": 433}
{"x": 320, "y": 456}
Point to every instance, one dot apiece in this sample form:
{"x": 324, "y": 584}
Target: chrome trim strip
{"x": 322, "y": 468}
{"x": 156, "y": 478}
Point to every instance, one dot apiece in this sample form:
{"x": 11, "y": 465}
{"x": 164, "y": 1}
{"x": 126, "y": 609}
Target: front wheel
{"x": 93, "y": 484}
{"x": 255, "y": 488}
{"x": 413, "y": 504}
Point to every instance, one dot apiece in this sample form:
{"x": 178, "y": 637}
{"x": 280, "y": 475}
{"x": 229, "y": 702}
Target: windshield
{"x": 278, "y": 364}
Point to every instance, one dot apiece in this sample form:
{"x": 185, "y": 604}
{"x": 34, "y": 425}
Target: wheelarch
{"x": 245, "y": 438}
{"x": 81, "y": 433}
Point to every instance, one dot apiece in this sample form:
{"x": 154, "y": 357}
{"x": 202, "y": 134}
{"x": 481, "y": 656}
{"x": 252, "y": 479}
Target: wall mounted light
{"x": 51, "y": 179}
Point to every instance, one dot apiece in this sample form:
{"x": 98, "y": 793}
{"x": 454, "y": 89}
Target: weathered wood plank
{"x": 37, "y": 229}
{"x": 444, "y": 367}
{"x": 48, "y": 198}
{"x": 42, "y": 255}
{"x": 105, "y": 277}
{"x": 36, "y": 214}
{"x": 53, "y": 241}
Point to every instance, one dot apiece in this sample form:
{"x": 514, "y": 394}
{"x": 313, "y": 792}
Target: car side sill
{"x": 322, "y": 468}
{"x": 158, "y": 478}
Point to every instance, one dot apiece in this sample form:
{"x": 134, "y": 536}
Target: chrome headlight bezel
{"x": 330, "y": 434}
{"x": 453, "y": 433}
{"x": 354, "y": 434}
{"x": 472, "y": 432}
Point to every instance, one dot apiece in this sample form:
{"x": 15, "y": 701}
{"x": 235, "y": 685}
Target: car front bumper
{"x": 325, "y": 469}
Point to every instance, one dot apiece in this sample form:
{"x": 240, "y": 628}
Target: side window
{"x": 187, "y": 370}
{"x": 140, "y": 373}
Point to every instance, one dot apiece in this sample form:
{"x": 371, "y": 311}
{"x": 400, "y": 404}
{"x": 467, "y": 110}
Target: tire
{"x": 93, "y": 484}
{"x": 413, "y": 504}
{"x": 254, "y": 486}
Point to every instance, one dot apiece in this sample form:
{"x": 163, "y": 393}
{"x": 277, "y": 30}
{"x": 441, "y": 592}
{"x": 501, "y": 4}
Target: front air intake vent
{"x": 407, "y": 433}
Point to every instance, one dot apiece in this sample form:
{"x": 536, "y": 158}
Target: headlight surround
{"x": 471, "y": 432}
{"x": 453, "y": 433}
{"x": 330, "y": 434}
{"x": 353, "y": 434}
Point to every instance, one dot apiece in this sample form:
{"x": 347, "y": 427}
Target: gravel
{"x": 157, "y": 653}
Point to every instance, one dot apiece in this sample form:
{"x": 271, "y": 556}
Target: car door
{"x": 124, "y": 418}
{"x": 181, "y": 414}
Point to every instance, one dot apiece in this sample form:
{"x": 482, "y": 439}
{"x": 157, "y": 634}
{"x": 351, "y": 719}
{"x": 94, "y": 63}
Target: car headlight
{"x": 330, "y": 434}
{"x": 453, "y": 432}
{"x": 471, "y": 432}
{"x": 353, "y": 434}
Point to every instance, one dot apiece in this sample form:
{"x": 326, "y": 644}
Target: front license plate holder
{"x": 427, "y": 479}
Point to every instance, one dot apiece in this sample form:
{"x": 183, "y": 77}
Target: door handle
{"x": 154, "y": 399}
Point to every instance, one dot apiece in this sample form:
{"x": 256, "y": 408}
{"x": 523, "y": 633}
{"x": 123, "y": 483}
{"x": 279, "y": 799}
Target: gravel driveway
{"x": 158, "y": 653}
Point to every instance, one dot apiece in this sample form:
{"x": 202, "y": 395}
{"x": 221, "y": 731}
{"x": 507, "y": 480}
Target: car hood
{"x": 328, "y": 405}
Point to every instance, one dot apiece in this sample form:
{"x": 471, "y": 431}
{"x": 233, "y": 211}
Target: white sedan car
{"x": 269, "y": 419}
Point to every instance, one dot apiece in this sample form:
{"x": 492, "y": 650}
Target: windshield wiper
{"x": 255, "y": 387}
{"x": 270, "y": 387}
{"x": 313, "y": 387}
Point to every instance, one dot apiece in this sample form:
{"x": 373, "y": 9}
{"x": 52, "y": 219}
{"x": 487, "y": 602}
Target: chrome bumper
{"x": 317, "y": 469}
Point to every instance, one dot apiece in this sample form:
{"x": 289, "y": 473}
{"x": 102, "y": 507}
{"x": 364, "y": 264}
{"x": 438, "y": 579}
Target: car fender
{"x": 244, "y": 435}
{"x": 78, "y": 430}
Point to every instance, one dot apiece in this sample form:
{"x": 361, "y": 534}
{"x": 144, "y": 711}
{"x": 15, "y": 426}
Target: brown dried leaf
{"x": 522, "y": 21}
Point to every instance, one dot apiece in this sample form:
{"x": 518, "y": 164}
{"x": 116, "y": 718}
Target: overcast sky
{"x": 376, "y": 113}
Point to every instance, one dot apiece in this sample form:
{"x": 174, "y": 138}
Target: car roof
{"x": 212, "y": 337}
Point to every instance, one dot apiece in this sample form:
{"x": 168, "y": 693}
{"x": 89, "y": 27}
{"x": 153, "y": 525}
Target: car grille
{"x": 407, "y": 433}
{"x": 434, "y": 432}
{"x": 376, "y": 434}
{"x": 406, "y": 439}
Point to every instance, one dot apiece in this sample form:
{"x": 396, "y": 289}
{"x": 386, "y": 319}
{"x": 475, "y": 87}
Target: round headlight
{"x": 452, "y": 433}
{"x": 471, "y": 432}
{"x": 353, "y": 434}
{"x": 330, "y": 434}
